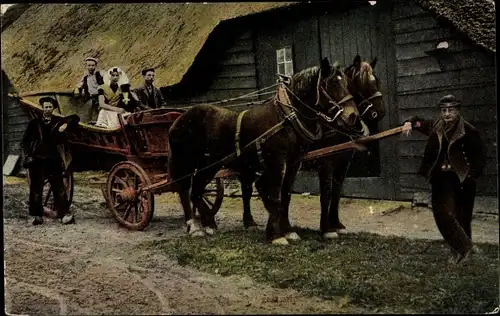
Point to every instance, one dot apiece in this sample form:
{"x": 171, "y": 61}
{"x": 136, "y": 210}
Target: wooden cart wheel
{"x": 48, "y": 194}
{"x": 213, "y": 196}
{"x": 130, "y": 209}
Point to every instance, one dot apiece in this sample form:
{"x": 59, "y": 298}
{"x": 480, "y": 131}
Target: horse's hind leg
{"x": 286, "y": 196}
{"x": 192, "y": 227}
{"x": 325, "y": 174}
{"x": 339, "y": 174}
{"x": 197, "y": 191}
{"x": 180, "y": 165}
{"x": 269, "y": 188}
{"x": 246, "y": 181}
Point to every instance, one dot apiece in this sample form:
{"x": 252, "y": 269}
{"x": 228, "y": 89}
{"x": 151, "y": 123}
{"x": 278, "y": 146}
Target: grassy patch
{"x": 387, "y": 274}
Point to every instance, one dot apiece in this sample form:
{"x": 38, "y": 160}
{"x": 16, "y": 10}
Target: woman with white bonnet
{"x": 113, "y": 97}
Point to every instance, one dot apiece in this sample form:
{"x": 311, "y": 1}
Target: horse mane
{"x": 365, "y": 71}
{"x": 305, "y": 79}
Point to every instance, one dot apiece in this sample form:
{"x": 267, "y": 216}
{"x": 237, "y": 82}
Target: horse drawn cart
{"x": 139, "y": 150}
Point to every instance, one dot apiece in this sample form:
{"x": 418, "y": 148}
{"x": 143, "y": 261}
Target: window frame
{"x": 284, "y": 62}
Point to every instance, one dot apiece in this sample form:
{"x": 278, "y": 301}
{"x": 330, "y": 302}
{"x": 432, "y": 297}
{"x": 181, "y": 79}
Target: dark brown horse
{"x": 364, "y": 85}
{"x": 206, "y": 138}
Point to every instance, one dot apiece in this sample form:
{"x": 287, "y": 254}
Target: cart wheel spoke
{"x": 208, "y": 202}
{"x": 123, "y": 185}
{"x": 47, "y": 197}
{"x": 127, "y": 212}
{"x": 121, "y": 181}
{"x": 136, "y": 209}
{"x": 117, "y": 205}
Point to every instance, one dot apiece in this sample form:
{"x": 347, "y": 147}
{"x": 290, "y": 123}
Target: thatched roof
{"x": 474, "y": 18}
{"x": 44, "y": 48}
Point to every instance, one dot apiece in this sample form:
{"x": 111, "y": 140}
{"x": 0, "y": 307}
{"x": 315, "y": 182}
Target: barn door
{"x": 365, "y": 30}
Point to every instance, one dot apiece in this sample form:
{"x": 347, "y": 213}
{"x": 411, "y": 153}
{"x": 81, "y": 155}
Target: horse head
{"x": 325, "y": 90}
{"x": 365, "y": 88}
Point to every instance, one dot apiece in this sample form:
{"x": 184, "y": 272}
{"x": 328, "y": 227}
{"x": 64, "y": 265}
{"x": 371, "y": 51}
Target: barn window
{"x": 284, "y": 61}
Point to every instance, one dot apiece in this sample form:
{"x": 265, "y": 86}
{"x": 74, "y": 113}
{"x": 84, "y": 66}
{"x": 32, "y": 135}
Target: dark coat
{"x": 33, "y": 137}
{"x": 143, "y": 95}
{"x": 466, "y": 150}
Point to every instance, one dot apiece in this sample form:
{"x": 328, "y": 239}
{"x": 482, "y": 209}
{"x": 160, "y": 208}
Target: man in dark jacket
{"x": 45, "y": 157}
{"x": 148, "y": 94}
{"x": 454, "y": 158}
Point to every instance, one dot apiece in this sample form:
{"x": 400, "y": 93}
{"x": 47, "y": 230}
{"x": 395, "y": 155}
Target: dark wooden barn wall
{"x": 14, "y": 120}
{"x": 468, "y": 73}
{"x": 365, "y": 30}
{"x": 236, "y": 75}
{"x": 339, "y": 34}
{"x": 286, "y": 30}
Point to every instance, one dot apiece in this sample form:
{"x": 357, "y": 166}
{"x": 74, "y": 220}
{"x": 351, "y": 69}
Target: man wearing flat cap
{"x": 454, "y": 158}
{"x": 88, "y": 87}
{"x": 46, "y": 157}
{"x": 150, "y": 95}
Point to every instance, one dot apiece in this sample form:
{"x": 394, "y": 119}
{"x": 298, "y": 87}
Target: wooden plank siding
{"x": 301, "y": 35}
{"x": 465, "y": 71}
{"x": 366, "y": 30}
{"x": 237, "y": 73}
{"x": 16, "y": 123}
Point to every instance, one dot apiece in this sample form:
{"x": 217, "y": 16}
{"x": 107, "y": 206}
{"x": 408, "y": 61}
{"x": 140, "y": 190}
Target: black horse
{"x": 364, "y": 85}
{"x": 270, "y": 139}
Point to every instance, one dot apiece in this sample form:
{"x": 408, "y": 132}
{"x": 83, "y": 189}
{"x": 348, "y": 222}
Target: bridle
{"x": 336, "y": 105}
{"x": 367, "y": 101}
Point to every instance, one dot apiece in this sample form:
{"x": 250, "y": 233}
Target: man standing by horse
{"x": 148, "y": 94}
{"x": 454, "y": 158}
{"x": 87, "y": 88}
{"x": 45, "y": 156}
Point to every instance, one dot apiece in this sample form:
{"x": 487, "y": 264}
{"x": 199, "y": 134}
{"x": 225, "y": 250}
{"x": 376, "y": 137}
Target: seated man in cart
{"x": 87, "y": 88}
{"x": 116, "y": 98}
{"x": 148, "y": 93}
{"x": 43, "y": 145}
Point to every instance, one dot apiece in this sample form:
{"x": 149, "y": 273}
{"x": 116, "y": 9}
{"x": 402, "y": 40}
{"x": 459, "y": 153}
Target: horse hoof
{"x": 293, "y": 236}
{"x": 250, "y": 224}
{"x": 330, "y": 235}
{"x": 280, "y": 241}
{"x": 341, "y": 231}
{"x": 197, "y": 233}
{"x": 252, "y": 228}
{"x": 210, "y": 231}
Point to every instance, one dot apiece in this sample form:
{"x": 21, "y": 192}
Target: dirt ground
{"x": 94, "y": 267}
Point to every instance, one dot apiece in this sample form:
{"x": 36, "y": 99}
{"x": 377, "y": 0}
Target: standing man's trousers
{"x": 452, "y": 206}
{"x": 39, "y": 171}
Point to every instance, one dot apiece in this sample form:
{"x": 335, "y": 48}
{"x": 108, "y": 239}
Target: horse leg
{"x": 286, "y": 196}
{"x": 192, "y": 228}
{"x": 246, "y": 181}
{"x": 325, "y": 174}
{"x": 339, "y": 173}
{"x": 269, "y": 187}
{"x": 198, "y": 189}
{"x": 180, "y": 164}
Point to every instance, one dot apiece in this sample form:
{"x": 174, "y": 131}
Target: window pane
{"x": 281, "y": 69}
{"x": 289, "y": 69}
{"x": 280, "y": 55}
{"x": 288, "y": 54}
